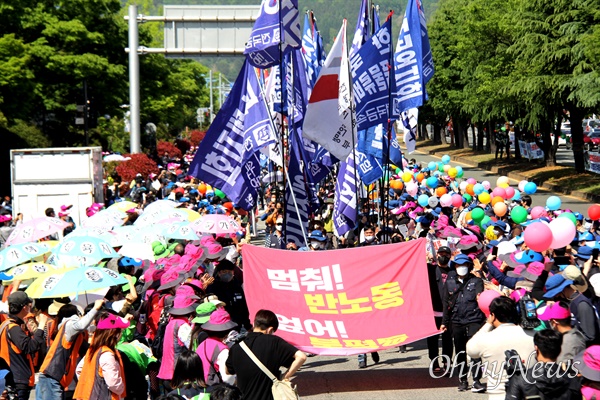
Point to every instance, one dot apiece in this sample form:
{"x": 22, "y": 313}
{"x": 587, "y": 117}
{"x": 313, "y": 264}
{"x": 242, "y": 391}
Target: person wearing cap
{"x": 276, "y": 240}
{"x": 559, "y": 317}
{"x": 184, "y": 308}
{"x": 203, "y": 312}
{"x": 100, "y": 373}
{"x": 316, "y": 241}
{"x": 58, "y": 369}
{"x": 462, "y": 314}
{"x": 213, "y": 351}
{"x": 588, "y": 365}
{"x": 558, "y": 287}
{"x": 438, "y": 273}
{"x": 544, "y": 378}
{"x": 230, "y": 291}
{"x": 17, "y": 346}
{"x": 272, "y": 351}
{"x": 497, "y": 335}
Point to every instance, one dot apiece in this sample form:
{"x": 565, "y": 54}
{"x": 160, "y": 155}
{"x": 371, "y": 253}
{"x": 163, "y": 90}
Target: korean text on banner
{"x": 326, "y": 303}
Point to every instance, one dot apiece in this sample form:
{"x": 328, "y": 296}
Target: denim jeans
{"x": 48, "y": 389}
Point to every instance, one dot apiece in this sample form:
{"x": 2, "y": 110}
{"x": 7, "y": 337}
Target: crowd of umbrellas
{"x": 70, "y": 266}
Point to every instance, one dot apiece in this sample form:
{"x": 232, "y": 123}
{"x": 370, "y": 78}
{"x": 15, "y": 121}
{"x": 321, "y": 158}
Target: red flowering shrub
{"x": 163, "y": 147}
{"x": 139, "y": 164}
{"x": 183, "y": 145}
{"x": 196, "y": 137}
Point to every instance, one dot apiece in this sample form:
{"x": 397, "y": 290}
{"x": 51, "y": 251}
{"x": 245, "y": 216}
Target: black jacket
{"x": 436, "y": 286}
{"x": 460, "y": 300}
{"x": 550, "y": 382}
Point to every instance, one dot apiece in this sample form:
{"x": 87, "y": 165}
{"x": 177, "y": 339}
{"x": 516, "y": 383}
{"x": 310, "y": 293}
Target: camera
{"x": 513, "y": 365}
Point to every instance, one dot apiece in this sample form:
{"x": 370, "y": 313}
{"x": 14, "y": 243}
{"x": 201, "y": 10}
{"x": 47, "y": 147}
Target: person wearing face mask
{"x": 369, "y": 234}
{"x": 229, "y": 290}
{"x": 276, "y": 240}
{"x": 558, "y": 287}
{"x": 316, "y": 241}
{"x": 462, "y": 314}
{"x": 438, "y": 274}
{"x": 58, "y": 369}
{"x": 559, "y": 318}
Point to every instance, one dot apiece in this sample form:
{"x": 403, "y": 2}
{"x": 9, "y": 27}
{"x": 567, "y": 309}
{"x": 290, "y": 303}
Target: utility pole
{"x": 220, "y": 91}
{"x": 134, "y": 82}
{"x": 210, "y": 88}
{"x": 86, "y": 110}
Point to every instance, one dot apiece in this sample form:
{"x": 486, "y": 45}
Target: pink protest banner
{"x": 343, "y": 302}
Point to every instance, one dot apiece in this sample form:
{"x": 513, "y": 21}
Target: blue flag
{"x": 309, "y": 51}
{"x": 413, "y": 62}
{"x": 228, "y": 158}
{"x": 279, "y": 90}
{"x": 361, "y": 33}
{"x": 370, "y": 68}
{"x": 262, "y": 49}
{"x": 296, "y": 220}
{"x": 345, "y": 207}
{"x": 376, "y": 22}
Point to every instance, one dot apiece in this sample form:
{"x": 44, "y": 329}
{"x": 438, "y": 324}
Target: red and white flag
{"x": 328, "y": 119}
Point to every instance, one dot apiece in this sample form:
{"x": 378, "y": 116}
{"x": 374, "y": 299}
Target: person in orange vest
{"x": 58, "y": 369}
{"x": 17, "y": 345}
{"x": 100, "y": 373}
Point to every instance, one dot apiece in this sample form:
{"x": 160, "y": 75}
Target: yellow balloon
{"x": 452, "y": 172}
{"x": 407, "y": 177}
{"x": 504, "y": 185}
{"x": 484, "y": 198}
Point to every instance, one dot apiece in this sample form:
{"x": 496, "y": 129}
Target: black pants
{"x": 433, "y": 344}
{"x": 23, "y": 391}
{"x": 461, "y": 335}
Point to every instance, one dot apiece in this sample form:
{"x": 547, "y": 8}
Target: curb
{"x": 490, "y": 167}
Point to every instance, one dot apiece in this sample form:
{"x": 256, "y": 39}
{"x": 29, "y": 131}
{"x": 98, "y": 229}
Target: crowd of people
{"x": 507, "y": 303}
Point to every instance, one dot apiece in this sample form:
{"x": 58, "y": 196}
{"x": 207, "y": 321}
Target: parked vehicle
{"x": 591, "y": 141}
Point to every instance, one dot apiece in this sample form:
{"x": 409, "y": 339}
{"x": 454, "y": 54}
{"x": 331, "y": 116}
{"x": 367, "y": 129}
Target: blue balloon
{"x": 478, "y": 188}
{"x": 553, "y": 203}
{"x": 432, "y": 182}
{"x": 530, "y": 188}
{"x": 432, "y": 165}
{"x": 517, "y": 195}
{"x": 446, "y": 159}
{"x": 458, "y": 169}
{"x": 423, "y": 200}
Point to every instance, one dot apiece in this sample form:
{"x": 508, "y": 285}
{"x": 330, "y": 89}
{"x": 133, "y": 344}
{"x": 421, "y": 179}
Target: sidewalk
{"x": 559, "y": 179}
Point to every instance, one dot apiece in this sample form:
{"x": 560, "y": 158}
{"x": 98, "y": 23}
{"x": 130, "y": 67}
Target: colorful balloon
{"x": 484, "y": 198}
{"x": 553, "y": 203}
{"x": 594, "y": 212}
{"x": 446, "y": 159}
{"x": 502, "y": 180}
{"x": 477, "y": 214}
{"x": 439, "y": 192}
{"x": 530, "y": 188}
{"x": 500, "y": 209}
{"x": 457, "y": 200}
{"x": 570, "y": 216}
{"x": 407, "y": 176}
{"x": 423, "y": 200}
{"x": 522, "y": 184}
{"x": 563, "y": 232}
{"x": 496, "y": 200}
{"x": 538, "y": 236}
{"x": 432, "y": 182}
{"x": 518, "y": 214}
{"x": 538, "y": 212}
{"x": 486, "y": 185}
{"x": 500, "y": 192}
{"x": 432, "y": 165}
{"x": 510, "y": 192}
{"x": 485, "y": 299}
{"x": 478, "y": 188}
{"x": 469, "y": 189}
{"x": 452, "y": 172}
{"x": 432, "y": 202}
{"x": 446, "y": 200}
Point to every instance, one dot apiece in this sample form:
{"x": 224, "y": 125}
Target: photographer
{"x": 544, "y": 380}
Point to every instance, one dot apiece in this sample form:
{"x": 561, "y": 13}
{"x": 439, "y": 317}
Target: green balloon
{"x": 477, "y": 214}
{"x": 518, "y": 215}
{"x": 398, "y": 170}
{"x": 440, "y": 167}
{"x": 467, "y": 198}
{"x": 219, "y": 194}
{"x": 460, "y": 174}
{"x": 486, "y": 219}
{"x": 569, "y": 215}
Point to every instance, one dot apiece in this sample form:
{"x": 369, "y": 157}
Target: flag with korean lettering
{"x": 312, "y": 50}
{"x": 410, "y": 123}
{"x": 262, "y": 48}
{"x": 333, "y": 303}
{"x": 229, "y": 158}
{"x": 371, "y": 83}
{"x": 296, "y": 197}
{"x": 361, "y": 33}
{"x": 328, "y": 119}
{"x": 345, "y": 208}
{"x": 413, "y": 61}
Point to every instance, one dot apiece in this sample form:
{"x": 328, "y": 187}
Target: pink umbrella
{"x": 215, "y": 223}
{"x": 36, "y": 229}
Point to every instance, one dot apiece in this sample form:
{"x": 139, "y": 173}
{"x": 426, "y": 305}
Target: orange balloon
{"x": 470, "y": 189}
{"x": 420, "y": 177}
{"x": 228, "y": 206}
{"x": 468, "y": 216}
{"x": 439, "y": 192}
{"x": 500, "y": 209}
{"x": 202, "y": 188}
{"x": 497, "y": 199}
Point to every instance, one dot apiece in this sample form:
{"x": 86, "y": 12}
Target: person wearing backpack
{"x": 188, "y": 378}
{"x": 184, "y": 308}
{"x": 213, "y": 351}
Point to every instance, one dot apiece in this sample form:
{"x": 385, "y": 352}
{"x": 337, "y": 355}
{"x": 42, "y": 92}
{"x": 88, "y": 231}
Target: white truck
{"x": 53, "y": 177}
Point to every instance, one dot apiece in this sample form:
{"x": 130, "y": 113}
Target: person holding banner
{"x": 462, "y": 313}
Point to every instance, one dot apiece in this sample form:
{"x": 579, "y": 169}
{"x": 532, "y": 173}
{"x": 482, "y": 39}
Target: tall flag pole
{"x": 413, "y": 68}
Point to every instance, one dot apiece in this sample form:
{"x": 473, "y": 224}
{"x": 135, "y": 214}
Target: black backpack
{"x": 159, "y": 339}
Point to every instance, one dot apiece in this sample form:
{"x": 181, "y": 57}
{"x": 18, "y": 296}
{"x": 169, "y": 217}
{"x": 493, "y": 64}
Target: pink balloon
{"x": 446, "y": 200}
{"x": 412, "y": 188}
{"x": 538, "y": 236}
{"x": 510, "y": 192}
{"x": 562, "y": 232}
{"x": 538, "y": 212}
{"x": 499, "y": 192}
{"x": 472, "y": 181}
{"x": 485, "y": 299}
{"x": 457, "y": 200}
{"x": 522, "y": 185}
{"x": 486, "y": 185}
